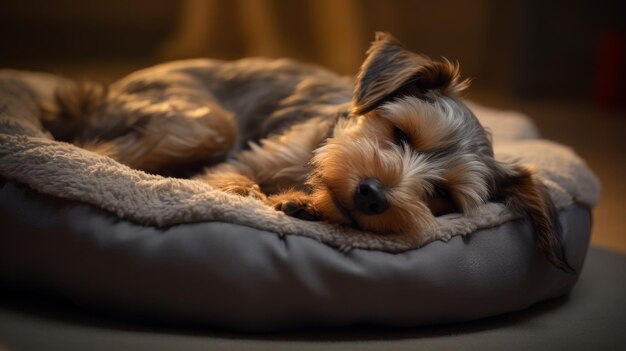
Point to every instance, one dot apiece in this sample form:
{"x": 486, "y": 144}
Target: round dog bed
{"x": 136, "y": 245}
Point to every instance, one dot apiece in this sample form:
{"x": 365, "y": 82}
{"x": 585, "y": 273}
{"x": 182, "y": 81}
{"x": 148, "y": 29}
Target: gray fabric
{"x": 228, "y": 275}
{"x": 591, "y": 317}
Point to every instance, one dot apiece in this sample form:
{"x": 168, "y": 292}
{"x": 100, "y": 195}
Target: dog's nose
{"x": 369, "y": 197}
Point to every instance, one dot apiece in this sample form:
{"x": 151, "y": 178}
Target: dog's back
{"x": 235, "y": 102}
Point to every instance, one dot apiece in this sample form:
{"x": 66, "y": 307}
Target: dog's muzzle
{"x": 370, "y": 198}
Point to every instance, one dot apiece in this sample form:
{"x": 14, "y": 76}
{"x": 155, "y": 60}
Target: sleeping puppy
{"x": 386, "y": 153}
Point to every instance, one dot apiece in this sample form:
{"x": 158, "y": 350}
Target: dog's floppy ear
{"x": 391, "y": 71}
{"x": 523, "y": 193}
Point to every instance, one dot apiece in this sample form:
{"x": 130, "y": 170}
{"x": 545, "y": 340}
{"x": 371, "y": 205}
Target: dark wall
{"x": 34, "y": 31}
{"x": 529, "y": 48}
{"x": 566, "y": 48}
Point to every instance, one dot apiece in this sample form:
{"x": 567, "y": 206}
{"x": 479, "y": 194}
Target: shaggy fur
{"x": 386, "y": 156}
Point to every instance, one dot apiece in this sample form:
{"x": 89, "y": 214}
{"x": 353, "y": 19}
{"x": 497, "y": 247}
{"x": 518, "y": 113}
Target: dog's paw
{"x": 301, "y": 210}
{"x": 245, "y": 190}
{"x": 236, "y": 184}
{"x": 295, "y": 204}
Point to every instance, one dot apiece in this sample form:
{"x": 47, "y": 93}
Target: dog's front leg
{"x": 274, "y": 164}
{"x": 232, "y": 178}
{"x": 236, "y": 178}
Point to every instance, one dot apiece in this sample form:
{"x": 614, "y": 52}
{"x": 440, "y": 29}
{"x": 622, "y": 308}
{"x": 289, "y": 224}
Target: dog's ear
{"x": 391, "y": 71}
{"x": 523, "y": 193}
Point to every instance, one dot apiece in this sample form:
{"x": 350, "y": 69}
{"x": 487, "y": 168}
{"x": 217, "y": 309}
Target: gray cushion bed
{"x": 136, "y": 245}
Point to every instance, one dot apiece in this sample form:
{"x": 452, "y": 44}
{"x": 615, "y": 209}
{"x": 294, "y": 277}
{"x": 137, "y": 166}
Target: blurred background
{"x": 561, "y": 62}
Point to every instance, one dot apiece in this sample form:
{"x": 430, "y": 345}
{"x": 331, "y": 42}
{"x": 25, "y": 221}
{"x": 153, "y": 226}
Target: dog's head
{"x": 411, "y": 150}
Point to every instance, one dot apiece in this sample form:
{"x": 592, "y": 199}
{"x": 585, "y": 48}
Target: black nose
{"x": 369, "y": 197}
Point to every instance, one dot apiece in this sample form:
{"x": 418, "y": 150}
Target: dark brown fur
{"x": 524, "y": 194}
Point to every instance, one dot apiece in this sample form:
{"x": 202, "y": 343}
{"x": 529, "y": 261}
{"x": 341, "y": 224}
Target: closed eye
{"x": 442, "y": 192}
{"x": 400, "y": 138}
{"x": 441, "y": 202}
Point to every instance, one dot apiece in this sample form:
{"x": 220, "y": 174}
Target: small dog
{"x": 387, "y": 153}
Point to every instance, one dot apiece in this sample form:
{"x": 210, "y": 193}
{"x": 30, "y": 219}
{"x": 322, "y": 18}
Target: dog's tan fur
{"x": 313, "y": 144}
